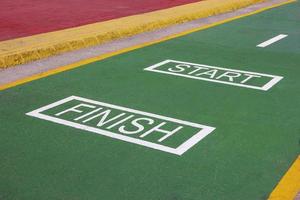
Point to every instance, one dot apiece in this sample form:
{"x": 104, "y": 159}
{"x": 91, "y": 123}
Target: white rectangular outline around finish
{"x": 205, "y": 130}
{"x": 267, "y": 86}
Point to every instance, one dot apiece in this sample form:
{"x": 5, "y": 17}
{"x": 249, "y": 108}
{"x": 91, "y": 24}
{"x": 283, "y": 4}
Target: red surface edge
{"x": 20, "y": 18}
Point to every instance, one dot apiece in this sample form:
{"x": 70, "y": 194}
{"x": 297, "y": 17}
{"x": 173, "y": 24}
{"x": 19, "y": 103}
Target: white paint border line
{"x": 275, "y": 79}
{"x": 205, "y": 130}
{"x": 272, "y": 40}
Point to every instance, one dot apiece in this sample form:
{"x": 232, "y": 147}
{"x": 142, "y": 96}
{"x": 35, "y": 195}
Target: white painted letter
{"x": 73, "y": 109}
{"x": 87, "y": 114}
{"x": 179, "y": 68}
{"x": 157, "y": 129}
{"x": 103, "y": 118}
{"x": 197, "y": 69}
{"x": 140, "y": 127}
{"x": 120, "y": 122}
{"x": 211, "y": 73}
{"x": 249, "y": 77}
{"x": 230, "y": 75}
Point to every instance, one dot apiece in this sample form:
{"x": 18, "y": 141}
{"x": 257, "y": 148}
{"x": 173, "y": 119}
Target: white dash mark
{"x": 272, "y": 40}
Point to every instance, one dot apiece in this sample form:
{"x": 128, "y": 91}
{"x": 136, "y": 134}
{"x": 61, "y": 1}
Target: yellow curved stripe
{"x": 23, "y": 50}
{"x": 289, "y": 185}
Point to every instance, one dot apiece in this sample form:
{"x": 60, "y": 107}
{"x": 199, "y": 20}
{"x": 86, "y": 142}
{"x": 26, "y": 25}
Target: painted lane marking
{"x": 289, "y": 185}
{"x": 147, "y": 129}
{"x": 272, "y": 40}
{"x": 222, "y": 75}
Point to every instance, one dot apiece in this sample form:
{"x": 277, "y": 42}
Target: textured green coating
{"x": 256, "y": 138}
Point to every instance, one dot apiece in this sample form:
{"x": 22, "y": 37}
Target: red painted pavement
{"x": 19, "y": 18}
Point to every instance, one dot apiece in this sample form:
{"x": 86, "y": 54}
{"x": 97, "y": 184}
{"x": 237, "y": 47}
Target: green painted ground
{"x": 256, "y": 138}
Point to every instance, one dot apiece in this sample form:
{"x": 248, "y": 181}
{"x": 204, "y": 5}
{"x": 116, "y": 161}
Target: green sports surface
{"x": 256, "y": 136}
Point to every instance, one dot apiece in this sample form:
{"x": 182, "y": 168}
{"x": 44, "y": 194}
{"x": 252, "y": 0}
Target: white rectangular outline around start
{"x": 205, "y": 130}
{"x": 267, "y": 86}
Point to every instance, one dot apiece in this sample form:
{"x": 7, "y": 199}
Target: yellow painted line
{"x": 101, "y": 57}
{"x": 289, "y": 185}
{"x": 23, "y": 50}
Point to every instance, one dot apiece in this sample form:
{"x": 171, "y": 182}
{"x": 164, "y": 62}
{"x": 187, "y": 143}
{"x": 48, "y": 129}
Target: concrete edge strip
{"x": 128, "y": 49}
{"x": 289, "y": 185}
{"x": 27, "y": 49}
